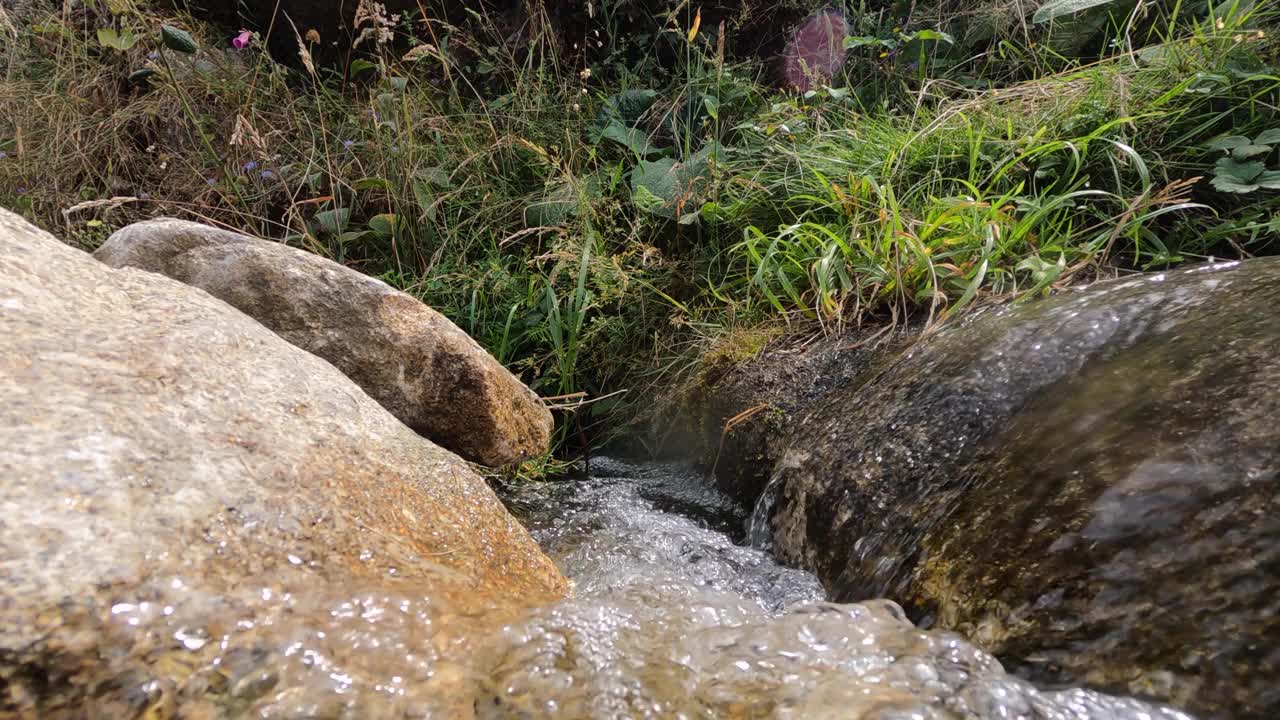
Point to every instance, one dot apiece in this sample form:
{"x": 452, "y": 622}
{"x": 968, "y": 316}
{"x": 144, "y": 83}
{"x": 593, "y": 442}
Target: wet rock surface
{"x": 198, "y": 519}
{"x": 1087, "y": 485}
{"x": 421, "y": 367}
{"x": 735, "y": 416}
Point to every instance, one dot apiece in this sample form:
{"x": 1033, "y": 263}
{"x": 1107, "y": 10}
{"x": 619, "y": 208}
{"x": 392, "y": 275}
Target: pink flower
{"x": 816, "y": 51}
{"x": 241, "y": 41}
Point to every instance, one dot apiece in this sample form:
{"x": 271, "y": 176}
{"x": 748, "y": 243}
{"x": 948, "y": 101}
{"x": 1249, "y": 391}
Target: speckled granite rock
{"x": 194, "y": 514}
{"x": 421, "y": 367}
{"x": 1087, "y": 485}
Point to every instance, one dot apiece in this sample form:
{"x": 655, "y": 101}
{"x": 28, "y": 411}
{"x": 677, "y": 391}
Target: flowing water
{"x": 669, "y": 619}
{"x": 672, "y": 619}
{"x": 759, "y": 532}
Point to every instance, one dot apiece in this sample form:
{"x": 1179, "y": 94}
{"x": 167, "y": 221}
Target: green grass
{"x": 598, "y": 242}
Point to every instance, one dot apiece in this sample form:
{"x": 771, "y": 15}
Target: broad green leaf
{"x": 644, "y": 199}
{"x": 934, "y": 35}
{"x": 1244, "y": 152}
{"x": 633, "y": 138}
{"x": 712, "y": 104}
{"x": 555, "y": 207}
{"x": 333, "y": 221}
{"x": 109, "y": 38}
{"x": 668, "y": 188}
{"x": 1269, "y": 180}
{"x": 1228, "y": 184}
{"x": 360, "y": 66}
{"x": 426, "y": 198}
{"x": 384, "y": 224}
{"x": 1058, "y": 8}
{"x": 178, "y": 40}
{"x": 436, "y": 176}
{"x": 1241, "y": 172}
{"x": 851, "y": 43}
{"x": 626, "y": 108}
{"x": 657, "y": 179}
{"x": 372, "y": 183}
{"x": 1042, "y": 272}
{"x": 712, "y": 212}
{"x": 1268, "y": 137}
{"x": 1229, "y": 142}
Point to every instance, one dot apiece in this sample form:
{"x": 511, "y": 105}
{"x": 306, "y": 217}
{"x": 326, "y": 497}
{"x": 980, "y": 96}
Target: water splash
{"x": 670, "y": 619}
{"x": 759, "y": 531}
{"x": 673, "y": 620}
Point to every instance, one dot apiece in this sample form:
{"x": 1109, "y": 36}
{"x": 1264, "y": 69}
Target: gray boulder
{"x": 421, "y": 367}
{"x": 199, "y": 519}
{"x": 1089, "y": 486}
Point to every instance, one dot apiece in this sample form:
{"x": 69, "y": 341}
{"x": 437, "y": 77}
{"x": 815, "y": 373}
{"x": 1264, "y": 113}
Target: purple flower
{"x": 242, "y": 40}
{"x": 251, "y": 166}
{"x": 267, "y": 174}
{"x": 3, "y": 155}
{"x": 22, "y": 191}
{"x": 153, "y": 55}
{"x": 348, "y": 144}
{"x": 211, "y": 181}
{"x": 816, "y": 51}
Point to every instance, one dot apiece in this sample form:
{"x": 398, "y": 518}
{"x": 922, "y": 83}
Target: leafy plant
{"x": 1239, "y": 172}
{"x": 1059, "y": 8}
{"x": 117, "y": 40}
{"x": 619, "y": 120}
{"x": 671, "y": 189}
{"x": 178, "y": 40}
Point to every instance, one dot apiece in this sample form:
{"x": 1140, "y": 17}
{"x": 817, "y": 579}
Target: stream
{"x": 671, "y": 618}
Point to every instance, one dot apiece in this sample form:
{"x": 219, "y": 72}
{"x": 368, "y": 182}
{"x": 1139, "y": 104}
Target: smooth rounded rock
{"x": 413, "y": 360}
{"x": 196, "y": 516}
{"x": 1088, "y": 486}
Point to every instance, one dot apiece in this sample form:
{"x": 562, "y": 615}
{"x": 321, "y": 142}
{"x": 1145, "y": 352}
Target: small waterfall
{"x": 759, "y": 532}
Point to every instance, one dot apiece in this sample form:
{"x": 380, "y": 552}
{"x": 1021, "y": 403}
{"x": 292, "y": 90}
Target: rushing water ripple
{"x": 669, "y": 619}
{"x": 672, "y": 619}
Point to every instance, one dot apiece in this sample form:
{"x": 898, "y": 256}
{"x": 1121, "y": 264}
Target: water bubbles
{"x": 670, "y": 619}
{"x": 191, "y": 639}
{"x": 674, "y": 620}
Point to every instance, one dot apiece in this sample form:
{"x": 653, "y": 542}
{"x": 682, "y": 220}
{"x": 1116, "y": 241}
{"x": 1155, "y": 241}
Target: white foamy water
{"x": 672, "y": 619}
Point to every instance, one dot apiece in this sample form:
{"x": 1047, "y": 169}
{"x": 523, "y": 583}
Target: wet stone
{"x": 1088, "y": 486}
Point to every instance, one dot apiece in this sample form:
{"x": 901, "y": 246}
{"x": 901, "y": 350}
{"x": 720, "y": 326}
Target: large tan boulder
{"x": 421, "y": 367}
{"x": 196, "y": 516}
